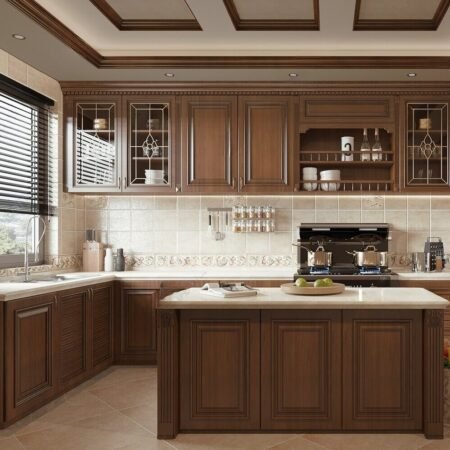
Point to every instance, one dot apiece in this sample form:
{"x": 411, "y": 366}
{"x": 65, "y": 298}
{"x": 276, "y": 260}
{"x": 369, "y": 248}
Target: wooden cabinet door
{"x": 266, "y": 143}
{"x": 73, "y": 337}
{"x": 209, "y": 144}
{"x": 102, "y": 326}
{"x": 382, "y": 370}
{"x": 136, "y": 334}
{"x": 301, "y": 370}
{"x": 30, "y": 346}
{"x": 219, "y": 370}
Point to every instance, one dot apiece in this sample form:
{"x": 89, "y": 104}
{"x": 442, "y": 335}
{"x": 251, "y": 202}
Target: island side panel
{"x": 168, "y": 374}
{"x": 382, "y": 370}
{"x": 433, "y": 383}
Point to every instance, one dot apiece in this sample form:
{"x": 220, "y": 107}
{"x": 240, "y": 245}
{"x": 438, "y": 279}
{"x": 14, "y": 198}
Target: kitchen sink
{"x": 53, "y": 278}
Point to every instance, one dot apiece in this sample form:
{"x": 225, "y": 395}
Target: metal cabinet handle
{"x": 125, "y": 182}
{"x": 178, "y": 189}
{"x": 241, "y": 183}
{"x": 233, "y": 182}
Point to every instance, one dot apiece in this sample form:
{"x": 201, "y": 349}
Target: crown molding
{"x": 273, "y": 25}
{"x": 69, "y": 38}
{"x": 400, "y": 24}
{"x": 144, "y": 24}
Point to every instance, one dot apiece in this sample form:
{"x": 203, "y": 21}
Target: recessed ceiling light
{"x": 20, "y": 37}
{"x": 412, "y": 74}
{"x": 293, "y": 75}
{"x": 169, "y": 74}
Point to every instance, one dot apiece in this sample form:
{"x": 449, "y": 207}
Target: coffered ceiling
{"x": 224, "y": 40}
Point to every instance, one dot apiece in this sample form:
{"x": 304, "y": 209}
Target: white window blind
{"x": 27, "y": 142}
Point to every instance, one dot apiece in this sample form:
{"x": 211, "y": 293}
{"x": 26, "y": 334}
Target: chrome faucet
{"x": 26, "y": 263}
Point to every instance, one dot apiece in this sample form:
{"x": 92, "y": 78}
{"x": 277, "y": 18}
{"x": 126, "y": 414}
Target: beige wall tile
{"x": 188, "y": 242}
{"x": 165, "y": 242}
{"x": 119, "y": 202}
{"x": 397, "y": 220}
{"x": 304, "y": 202}
{"x": 327, "y": 215}
{"x": 416, "y": 241}
{"x": 165, "y": 220}
{"x": 142, "y": 220}
{"x": 399, "y": 242}
{"x": 96, "y": 219}
{"x": 331, "y": 202}
{"x": 166, "y": 203}
{"x": 422, "y": 202}
{"x": 281, "y": 244}
{"x": 68, "y": 222}
{"x": 440, "y": 220}
{"x": 418, "y": 220}
{"x": 142, "y": 242}
{"x": 349, "y": 202}
{"x": 283, "y": 220}
{"x": 302, "y": 216}
{"x": 349, "y": 216}
{"x": 395, "y": 202}
{"x": 189, "y": 220}
{"x": 258, "y": 243}
{"x": 439, "y": 202}
{"x": 372, "y": 216}
{"x": 119, "y": 220}
{"x": 211, "y": 202}
{"x": 119, "y": 239}
{"x": 372, "y": 202}
{"x": 139, "y": 202}
{"x": 17, "y": 70}
{"x": 188, "y": 203}
{"x": 80, "y": 219}
{"x": 68, "y": 243}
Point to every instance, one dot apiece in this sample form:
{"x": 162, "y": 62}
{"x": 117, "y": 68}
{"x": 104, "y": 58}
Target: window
{"x": 27, "y": 172}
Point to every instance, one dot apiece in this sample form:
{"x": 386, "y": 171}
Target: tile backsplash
{"x": 175, "y": 226}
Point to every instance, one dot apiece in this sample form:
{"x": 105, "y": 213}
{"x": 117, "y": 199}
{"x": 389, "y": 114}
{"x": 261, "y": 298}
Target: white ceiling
{"x": 46, "y": 53}
{"x": 219, "y": 37}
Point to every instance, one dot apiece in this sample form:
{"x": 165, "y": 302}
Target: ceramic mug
{"x": 347, "y": 146}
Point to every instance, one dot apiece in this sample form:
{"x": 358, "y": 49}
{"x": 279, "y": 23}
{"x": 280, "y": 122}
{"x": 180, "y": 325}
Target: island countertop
{"x": 275, "y": 298}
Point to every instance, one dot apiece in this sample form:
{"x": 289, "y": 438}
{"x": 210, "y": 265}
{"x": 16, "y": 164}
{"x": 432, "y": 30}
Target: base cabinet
{"x": 30, "y": 349}
{"x": 300, "y": 370}
{"x": 135, "y": 341}
{"x": 219, "y": 367}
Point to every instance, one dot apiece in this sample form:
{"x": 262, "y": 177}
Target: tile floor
{"x": 117, "y": 410}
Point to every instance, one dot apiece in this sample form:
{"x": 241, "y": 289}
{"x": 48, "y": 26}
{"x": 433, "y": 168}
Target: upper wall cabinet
{"x": 346, "y": 110}
{"x": 267, "y": 138}
{"x": 209, "y": 151}
{"x": 148, "y": 136}
{"x": 425, "y": 148}
{"x": 92, "y": 144}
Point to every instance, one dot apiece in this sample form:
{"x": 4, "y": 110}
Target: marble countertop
{"x": 11, "y": 290}
{"x": 275, "y": 298}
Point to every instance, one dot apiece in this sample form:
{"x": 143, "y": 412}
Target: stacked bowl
{"x": 153, "y": 176}
{"x": 310, "y": 174}
{"x": 330, "y": 175}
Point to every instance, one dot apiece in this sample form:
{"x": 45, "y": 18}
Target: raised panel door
{"x": 73, "y": 337}
{"x": 266, "y": 143}
{"x": 301, "y": 370}
{"x": 209, "y": 144}
{"x": 102, "y": 326}
{"x": 30, "y": 344}
{"x": 137, "y": 334}
{"x": 382, "y": 370}
{"x": 220, "y": 370}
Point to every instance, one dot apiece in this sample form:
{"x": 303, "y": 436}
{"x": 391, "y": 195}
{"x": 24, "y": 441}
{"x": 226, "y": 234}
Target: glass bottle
{"x": 376, "y": 148}
{"x": 365, "y": 147}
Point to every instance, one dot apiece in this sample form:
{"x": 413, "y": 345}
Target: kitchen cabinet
{"x": 135, "y": 334}
{"x": 300, "y": 370}
{"x": 267, "y": 139}
{"x": 209, "y": 151}
{"x": 425, "y": 156}
{"x": 149, "y": 134}
{"x": 73, "y": 337}
{"x": 92, "y": 144}
{"x": 219, "y": 366}
{"x": 382, "y": 370}
{"x": 31, "y": 364}
{"x": 102, "y": 299}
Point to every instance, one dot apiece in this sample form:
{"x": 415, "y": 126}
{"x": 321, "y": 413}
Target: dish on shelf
{"x": 291, "y": 288}
{"x": 330, "y": 175}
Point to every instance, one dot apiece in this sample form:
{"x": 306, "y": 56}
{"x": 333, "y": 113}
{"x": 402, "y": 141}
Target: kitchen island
{"x": 366, "y": 360}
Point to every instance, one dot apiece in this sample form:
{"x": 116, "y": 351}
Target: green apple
{"x": 301, "y": 282}
{"x": 328, "y": 281}
{"x": 320, "y": 283}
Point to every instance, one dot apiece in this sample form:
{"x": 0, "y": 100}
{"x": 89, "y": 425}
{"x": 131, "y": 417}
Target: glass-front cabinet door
{"x": 427, "y": 163}
{"x": 148, "y": 149}
{"x": 93, "y": 156}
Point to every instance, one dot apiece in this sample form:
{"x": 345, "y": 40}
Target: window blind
{"x": 28, "y": 140}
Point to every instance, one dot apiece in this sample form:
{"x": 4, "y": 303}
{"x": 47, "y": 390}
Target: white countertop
{"x": 12, "y": 290}
{"x": 275, "y": 298}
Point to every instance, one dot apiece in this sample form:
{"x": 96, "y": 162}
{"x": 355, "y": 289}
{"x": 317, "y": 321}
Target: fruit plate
{"x": 291, "y": 288}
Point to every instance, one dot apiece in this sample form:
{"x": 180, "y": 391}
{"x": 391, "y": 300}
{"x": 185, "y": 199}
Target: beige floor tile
{"x": 437, "y": 445}
{"x": 229, "y": 441}
{"x": 80, "y": 406}
{"x": 368, "y": 441}
{"x": 298, "y": 443}
{"x": 10, "y": 443}
{"x": 121, "y": 375}
{"x": 143, "y": 415}
{"x": 121, "y": 396}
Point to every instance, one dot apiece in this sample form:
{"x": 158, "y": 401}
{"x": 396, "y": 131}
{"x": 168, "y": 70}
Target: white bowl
{"x": 310, "y": 186}
{"x": 153, "y": 173}
{"x": 330, "y": 187}
{"x": 330, "y": 175}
